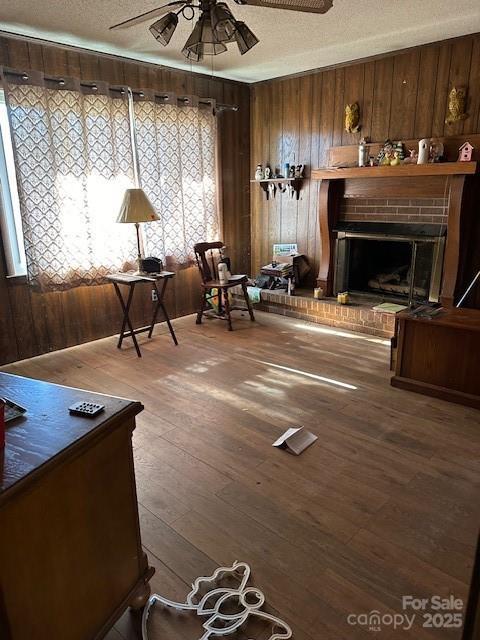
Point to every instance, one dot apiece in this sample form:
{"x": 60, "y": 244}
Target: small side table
{"x": 130, "y": 280}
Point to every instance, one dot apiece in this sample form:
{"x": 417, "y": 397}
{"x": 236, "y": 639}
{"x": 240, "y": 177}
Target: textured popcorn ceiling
{"x": 289, "y": 41}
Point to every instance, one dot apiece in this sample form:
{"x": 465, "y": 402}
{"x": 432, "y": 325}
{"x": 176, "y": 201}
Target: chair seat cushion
{"x": 233, "y": 281}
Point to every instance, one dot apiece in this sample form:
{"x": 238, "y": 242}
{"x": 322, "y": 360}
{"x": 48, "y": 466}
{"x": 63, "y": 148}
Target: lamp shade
{"x": 245, "y": 38}
{"x": 223, "y": 22}
{"x": 163, "y": 29}
{"x": 203, "y": 39}
{"x": 136, "y": 207}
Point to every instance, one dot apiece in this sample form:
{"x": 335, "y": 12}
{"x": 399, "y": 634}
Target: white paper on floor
{"x": 295, "y": 440}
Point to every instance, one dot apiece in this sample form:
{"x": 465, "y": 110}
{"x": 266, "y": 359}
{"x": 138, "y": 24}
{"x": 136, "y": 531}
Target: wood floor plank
{"x": 384, "y": 504}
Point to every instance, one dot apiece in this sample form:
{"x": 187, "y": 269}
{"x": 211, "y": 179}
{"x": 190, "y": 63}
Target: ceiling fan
{"x": 216, "y": 26}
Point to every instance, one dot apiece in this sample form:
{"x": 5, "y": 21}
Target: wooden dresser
{"x": 440, "y": 357}
{"x": 71, "y": 559}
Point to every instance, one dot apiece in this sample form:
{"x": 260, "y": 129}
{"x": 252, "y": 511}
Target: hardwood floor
{"x": 384, "y": 504}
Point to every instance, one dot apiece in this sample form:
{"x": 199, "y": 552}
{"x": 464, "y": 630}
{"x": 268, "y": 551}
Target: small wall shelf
{"x": 270, "y": 185}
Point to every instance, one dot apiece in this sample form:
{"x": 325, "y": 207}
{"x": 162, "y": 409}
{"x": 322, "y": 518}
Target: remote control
{"x": 86, "y": 409}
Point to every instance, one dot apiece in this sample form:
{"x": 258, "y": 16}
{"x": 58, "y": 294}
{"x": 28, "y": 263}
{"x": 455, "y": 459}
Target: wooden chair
{"x": 207, "y": 255}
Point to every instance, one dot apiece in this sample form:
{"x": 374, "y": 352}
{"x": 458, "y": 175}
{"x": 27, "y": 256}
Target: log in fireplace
{"x": 398, "y": 262}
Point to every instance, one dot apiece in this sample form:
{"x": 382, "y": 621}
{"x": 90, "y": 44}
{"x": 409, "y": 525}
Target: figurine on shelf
{"x": 267, "y": 174}
{"x": 399, "y": 148}
{"x": 465, "y": 152}
{"x": 436, "y": 151}
{"x": 299, "y": 170}
{"x": 412, "y": 158}
{"x": 389, "y": 157}
{"x": 280, "y": 186}
{"x": 259, "y": 172}
{"x": 423, "y": 151}
{"x": 291, "y": 171}
{"x": 363, "y": 153}
{"x": 395, "y": 161}
{"x": 386, "y": 153}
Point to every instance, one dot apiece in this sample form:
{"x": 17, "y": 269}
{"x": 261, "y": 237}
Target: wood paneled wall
{"x": 401, "y": 96}
{"x": 32, "y": 323}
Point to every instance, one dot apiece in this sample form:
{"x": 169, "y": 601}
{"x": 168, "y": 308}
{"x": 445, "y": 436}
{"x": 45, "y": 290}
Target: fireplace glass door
{"x": 402, "y": 269}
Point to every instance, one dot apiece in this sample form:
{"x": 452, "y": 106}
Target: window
{"x": 11, "y": 225}
{"x": 73, "y": 156}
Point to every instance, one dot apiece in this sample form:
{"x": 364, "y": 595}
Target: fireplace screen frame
{"x": 342, "y": 255}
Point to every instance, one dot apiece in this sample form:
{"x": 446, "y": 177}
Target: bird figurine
{"x": 456, "y": 105}
{"x": 395, "y": 160}
{"x": 352, "y": 118}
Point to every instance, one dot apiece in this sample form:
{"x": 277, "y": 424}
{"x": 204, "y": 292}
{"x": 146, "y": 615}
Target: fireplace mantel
{"x": 400, "y": 171}
{"x": 442, "y": 180}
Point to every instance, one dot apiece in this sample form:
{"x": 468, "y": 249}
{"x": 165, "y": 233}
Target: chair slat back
{"x": 207, "y": 255}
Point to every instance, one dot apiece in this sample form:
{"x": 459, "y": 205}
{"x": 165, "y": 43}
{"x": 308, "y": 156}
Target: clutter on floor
{"x": 295, "y": 440}
{"x": 246, "y": 602}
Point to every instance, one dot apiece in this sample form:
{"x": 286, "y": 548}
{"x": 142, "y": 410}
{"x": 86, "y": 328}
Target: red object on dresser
{"x": 2, "y": 423}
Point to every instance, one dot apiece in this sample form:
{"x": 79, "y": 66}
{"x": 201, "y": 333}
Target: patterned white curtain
{"x": 74, "y": 161}
{"x": 176, "y": 147}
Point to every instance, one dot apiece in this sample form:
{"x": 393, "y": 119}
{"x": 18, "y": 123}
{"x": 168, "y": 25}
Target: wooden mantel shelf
{"x": 400, "y": 171}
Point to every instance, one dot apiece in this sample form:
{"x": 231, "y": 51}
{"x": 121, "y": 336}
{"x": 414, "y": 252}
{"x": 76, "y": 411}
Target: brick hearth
{"x": 357, "y": 316}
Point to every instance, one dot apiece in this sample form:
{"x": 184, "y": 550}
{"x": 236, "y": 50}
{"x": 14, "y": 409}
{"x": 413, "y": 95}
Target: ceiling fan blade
{"x": 149, "y": 15}
{"x": 309, "y": 6}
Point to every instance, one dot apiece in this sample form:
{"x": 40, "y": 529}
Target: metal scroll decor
{"x": 246, "y": 600}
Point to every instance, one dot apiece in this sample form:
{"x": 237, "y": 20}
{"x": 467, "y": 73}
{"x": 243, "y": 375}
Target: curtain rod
{"x": 121, "y": 90}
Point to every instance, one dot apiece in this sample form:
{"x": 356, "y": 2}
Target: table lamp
{"x": 136, "y": 208}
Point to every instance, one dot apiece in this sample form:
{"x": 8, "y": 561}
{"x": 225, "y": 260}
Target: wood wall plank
{"x": 290, "y": 91}
{"x": 427, "y": 81}
{"x": 382, "y": 98}
{"x": 33, "y": 323}
{"x": 459, "y": 73}
{"x": 273, "y": 119}
{"x": 402, "y": 96}
{"x": 304, "y": 156}
{"x": 354, "y": 81}
{"x": 313, "y": 185}
{"x": 339, "y": 107}
{"x": 439, "y": 106}
{"x": 472, "y": 123}
{"x": 368, "y": 97}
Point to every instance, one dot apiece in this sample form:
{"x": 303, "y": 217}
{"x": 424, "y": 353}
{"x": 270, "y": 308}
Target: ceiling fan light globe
{"x": 203, "y": 39}
{"x": 245, "y": 38}
{"x": 163, "y": 29}
{"x": 193, "y": 56}
{"x": 223, "y": 22}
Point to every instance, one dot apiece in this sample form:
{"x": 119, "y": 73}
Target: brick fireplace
{"x": 426, "y": 207}
{"x": 418, "y": 223}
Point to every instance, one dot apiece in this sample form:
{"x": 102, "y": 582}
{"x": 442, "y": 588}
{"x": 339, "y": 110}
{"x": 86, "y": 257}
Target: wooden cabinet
{"x": 440, "y": 357}
{"x": 71, "y": 558}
